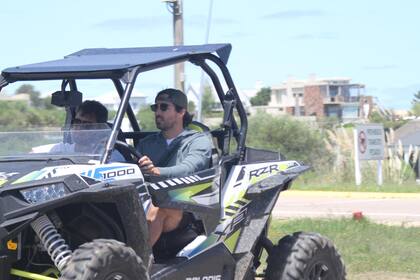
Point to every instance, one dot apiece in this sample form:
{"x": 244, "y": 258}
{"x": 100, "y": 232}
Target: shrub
{"x": 294, "y": 139}
{"x": 146, "y": 118}
{"x": 17, "y": 115}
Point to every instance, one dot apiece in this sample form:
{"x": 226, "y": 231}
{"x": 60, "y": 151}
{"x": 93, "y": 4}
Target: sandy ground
{"x": 384, "y": 276}
{"x": 379, "y": 207}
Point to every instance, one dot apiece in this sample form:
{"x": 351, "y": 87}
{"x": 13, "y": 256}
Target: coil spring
{"x": 53, "y": 242}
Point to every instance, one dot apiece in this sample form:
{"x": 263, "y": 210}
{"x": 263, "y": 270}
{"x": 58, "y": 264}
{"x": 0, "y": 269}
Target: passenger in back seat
{"x": 174, "y": 152}
{"x": 90, "y": 115}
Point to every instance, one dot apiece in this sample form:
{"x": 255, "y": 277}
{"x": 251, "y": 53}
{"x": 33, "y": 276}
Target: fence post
{"x": 357, "y": 174}
{"x": 380, "y": 178}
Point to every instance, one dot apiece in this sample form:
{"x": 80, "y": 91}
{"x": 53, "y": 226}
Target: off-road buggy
{"x": 80, "y": 216}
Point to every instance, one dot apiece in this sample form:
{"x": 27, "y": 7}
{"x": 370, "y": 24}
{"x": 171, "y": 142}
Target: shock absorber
{"x": 55, "y": 245}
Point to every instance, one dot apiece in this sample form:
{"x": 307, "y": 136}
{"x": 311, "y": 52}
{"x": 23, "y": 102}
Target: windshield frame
{"x": 42, "y": 143}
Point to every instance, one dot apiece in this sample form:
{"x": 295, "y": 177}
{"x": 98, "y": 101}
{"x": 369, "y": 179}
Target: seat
{"x": 170, "y": 243}
{"x": 200, "y": 127}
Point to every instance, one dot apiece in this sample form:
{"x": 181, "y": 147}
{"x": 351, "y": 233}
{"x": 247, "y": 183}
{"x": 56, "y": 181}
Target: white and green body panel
{"x": 236, "y": 206}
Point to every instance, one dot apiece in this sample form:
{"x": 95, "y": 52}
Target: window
{"x": 333, "y": 91}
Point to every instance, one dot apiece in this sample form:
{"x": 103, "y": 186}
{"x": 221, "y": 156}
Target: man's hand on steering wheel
{"x": 145, "y": 163}
{"x": 131, "y": 150}
{"x": 147, "y": 166}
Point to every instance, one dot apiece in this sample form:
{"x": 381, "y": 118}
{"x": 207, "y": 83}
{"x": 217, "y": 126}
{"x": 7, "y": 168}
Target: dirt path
{"x": 384, "y": 208}
{"x": 384, "y": 276}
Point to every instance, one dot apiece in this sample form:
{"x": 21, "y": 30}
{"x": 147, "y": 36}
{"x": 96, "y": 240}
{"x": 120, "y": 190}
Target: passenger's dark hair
{"x": 95, "y": 108}
{"x": 187, "y": 119}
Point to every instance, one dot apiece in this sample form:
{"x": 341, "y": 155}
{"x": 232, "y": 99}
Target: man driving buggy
{"x": 175, "y": 151}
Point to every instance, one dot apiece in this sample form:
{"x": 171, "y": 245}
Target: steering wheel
{"x": 128, "y": 149}
{"x": 137, "y": 155}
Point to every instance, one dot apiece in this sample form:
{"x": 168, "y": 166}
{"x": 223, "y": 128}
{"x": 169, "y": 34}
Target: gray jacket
{"x": 189, "y": 152}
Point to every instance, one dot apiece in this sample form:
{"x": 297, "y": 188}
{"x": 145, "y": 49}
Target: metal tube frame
{"x": 132, "y": 75}
{"x": 114, "y": 75}
{"x": 200, "y": 60}
{"x": 130, "y": 112}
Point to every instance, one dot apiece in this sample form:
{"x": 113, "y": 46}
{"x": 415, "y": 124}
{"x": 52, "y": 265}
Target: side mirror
{"x": 71, "y": 98}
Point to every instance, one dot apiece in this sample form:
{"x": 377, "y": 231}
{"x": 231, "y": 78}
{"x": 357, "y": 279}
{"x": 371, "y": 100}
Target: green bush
{"x": 146, "y": 118}
{"x": 376, "y": 117}
{"x": 294, "y": 139}
{"x": 17, "y": 115}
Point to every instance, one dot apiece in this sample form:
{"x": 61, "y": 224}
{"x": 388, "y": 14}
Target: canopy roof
{"x": 110, "y": 63}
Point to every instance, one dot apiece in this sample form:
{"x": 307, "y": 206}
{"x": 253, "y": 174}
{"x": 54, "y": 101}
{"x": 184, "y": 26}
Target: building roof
{"x": 295, "y": 83}
{"x": 112, "y": 97}
{"x": 408, "y": 134}
{"x": 17, "y": 97}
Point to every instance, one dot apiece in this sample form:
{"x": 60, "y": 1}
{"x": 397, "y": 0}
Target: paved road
{"x": 379, "y": 207}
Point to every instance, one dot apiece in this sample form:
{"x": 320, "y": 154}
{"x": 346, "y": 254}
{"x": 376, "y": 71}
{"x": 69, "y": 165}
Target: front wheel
{"x": 307, "y": 256}
{"x": 104, "y": 259}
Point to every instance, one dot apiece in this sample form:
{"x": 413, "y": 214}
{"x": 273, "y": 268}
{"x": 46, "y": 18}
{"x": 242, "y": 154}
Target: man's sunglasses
{"x": 161, "y": 106}
{"x": 79, "y": 121}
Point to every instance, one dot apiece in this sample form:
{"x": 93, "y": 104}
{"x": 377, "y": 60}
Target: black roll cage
{"x": 198, "y": 55}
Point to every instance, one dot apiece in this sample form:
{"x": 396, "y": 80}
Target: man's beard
{"x": 161, "y": 124}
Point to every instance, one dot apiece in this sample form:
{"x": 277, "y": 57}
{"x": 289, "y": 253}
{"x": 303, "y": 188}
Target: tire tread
{"x": 289, "y": 258}
{"x": 90, "y": 258}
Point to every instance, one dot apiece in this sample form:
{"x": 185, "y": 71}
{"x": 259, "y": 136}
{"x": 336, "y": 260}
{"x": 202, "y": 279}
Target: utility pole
{"x": 175, "y": 8}
{"x": 200, "y": 96}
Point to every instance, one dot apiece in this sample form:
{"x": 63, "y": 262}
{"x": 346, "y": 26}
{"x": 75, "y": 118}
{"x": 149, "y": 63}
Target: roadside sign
{"x": 370, "y": 141}
{"x": 369, "y": 144}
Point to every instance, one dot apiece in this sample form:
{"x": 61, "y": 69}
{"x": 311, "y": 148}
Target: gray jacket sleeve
{"x": 193, "y": 156}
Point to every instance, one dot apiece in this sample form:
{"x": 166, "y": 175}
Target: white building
{"x": 194, "y": 90}
{"x": 22, "y": 97}
{"x": 112, "y": 101}
{"x": 329, "y": 97}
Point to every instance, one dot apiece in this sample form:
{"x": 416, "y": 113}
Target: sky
{"x": 376, "y": 43}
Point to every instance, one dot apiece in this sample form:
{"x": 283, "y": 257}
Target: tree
{"x": 47, "y": 104}
{"x": 262, "y": 98}
{"x": 146, "y": 118}
{"x": 26, "y": 88}
{"x": 416, "y": 97}
{"x": 207, "y": 102}
{"x": 376, "y": 117}
{"x": 18, "y": 115}
{"x": 34, "y": 95}
{"x": 415, "y": 108}
{"x": 191, "y": 107}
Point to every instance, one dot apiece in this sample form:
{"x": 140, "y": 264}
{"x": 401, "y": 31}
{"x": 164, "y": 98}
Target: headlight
{"x": 44, "y": 193}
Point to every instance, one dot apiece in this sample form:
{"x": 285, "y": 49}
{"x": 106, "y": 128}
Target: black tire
{"x": 305, "y": 256}
{"x": 104, "y": 259}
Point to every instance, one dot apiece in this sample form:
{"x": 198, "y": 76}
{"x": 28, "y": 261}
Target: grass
{"x": 364, "y": 246}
